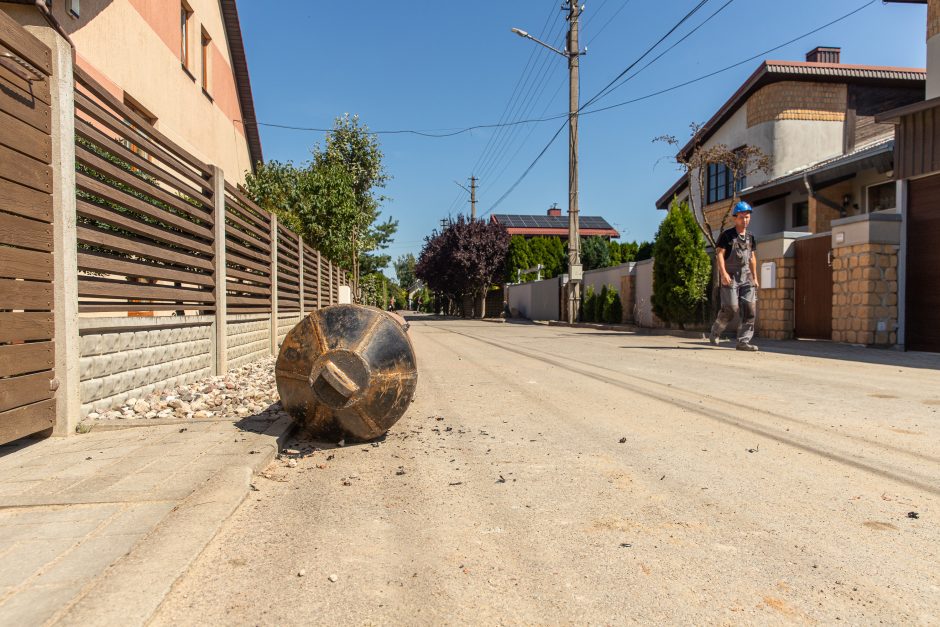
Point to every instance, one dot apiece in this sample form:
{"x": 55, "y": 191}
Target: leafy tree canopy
{"x": 464, "y": 258}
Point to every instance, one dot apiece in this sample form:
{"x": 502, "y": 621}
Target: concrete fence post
{"x": 274, "y": 285}
{"x": 220, "y": 365}
{"x": 64, "y": 234}
{"x": 330, "y": 301}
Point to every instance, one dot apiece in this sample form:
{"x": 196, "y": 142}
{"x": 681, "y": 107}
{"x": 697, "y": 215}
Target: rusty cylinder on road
{"x": 346, "y": 370}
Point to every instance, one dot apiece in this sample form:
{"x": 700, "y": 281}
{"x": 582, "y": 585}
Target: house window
{"x": 800, "y": 213}
{"x": 882, "y": 197}
{"x": 186, "y": 16}
{"x": 148, "y": 117}
{"x": 74, "y": 8}
{"x": 206, "y": 40}
{"x": 719, "y": 184}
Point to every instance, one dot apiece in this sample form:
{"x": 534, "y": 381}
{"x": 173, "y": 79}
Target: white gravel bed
{"x": 246, "y": 391}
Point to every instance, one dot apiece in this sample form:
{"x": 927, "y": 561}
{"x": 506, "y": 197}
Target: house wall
{"x": 133, "y": 47}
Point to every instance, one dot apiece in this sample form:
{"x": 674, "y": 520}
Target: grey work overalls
{"x": 740, "y": 295}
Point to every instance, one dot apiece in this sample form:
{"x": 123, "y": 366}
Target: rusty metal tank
{"x": 347, "y": 370}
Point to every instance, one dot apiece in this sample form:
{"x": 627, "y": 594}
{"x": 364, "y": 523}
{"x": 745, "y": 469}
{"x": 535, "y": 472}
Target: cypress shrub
{"x": 587, "y": 304}
{"x": 682, "y": 268}
{"x": 599, "y": 301}
{"x": 613, "y": 308}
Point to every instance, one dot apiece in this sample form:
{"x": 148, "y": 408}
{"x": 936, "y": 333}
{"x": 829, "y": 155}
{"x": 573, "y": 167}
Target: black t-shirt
{"x": 726, "y": 241}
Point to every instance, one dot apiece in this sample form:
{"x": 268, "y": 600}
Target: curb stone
{"x": 131, "y": 590}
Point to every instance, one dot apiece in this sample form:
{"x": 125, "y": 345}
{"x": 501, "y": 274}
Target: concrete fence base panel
{"x": 248, "y": 338}
{"x": 286, "y": 322}
{"x": 126, "y": 357}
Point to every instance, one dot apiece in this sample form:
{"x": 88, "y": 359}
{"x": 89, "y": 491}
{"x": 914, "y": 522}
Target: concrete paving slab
{"x": 101, "y": 540}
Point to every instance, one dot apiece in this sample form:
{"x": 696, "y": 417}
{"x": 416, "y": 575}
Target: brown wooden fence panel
{"x": 247, "y": 254}
{"x": 288, "y": 270}
{"x": 27, "y": 356}
{"x": 311, "y": 286}
{"x": 145, "y": 212}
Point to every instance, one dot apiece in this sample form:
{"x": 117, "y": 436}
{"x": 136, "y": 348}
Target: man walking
{"x": 737, "y": 271}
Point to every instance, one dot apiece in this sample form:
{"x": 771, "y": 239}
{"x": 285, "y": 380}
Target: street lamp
{"x": 572, "y": 53}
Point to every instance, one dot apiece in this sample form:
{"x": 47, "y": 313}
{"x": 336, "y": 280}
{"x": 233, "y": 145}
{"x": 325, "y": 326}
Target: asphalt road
{"x": 548, "y": 475}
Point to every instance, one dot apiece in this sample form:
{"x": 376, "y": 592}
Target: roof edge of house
{"x": 236, "y": 44}
{"x": 771, "y": 71}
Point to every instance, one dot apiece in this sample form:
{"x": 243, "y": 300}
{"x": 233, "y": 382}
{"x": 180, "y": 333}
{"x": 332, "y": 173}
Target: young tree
{"x": 616, "y": 257}
{"x": 594, "y": 253}
{"x": 331, "y": 200}
{"x": 405, "y": 270}
{"x": 740, "y": 162}
{"x": 682, "y": 269}
{"x": 518, "y": 257}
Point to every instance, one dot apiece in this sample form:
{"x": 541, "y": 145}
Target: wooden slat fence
{"x": 311, "y": 286}
{"x": 288, "y": 270}
{"x": 247, "y": 254}
{"x": 27, "y": 356}
{"x": 145, "y": 212}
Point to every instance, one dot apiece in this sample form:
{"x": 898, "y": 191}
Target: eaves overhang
{"x": 233, "y": 33}
{"x": 776, "y": 71}
{"x": 878, "y": 156}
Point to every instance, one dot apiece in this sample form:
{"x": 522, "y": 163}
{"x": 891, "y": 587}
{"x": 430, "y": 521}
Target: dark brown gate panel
{"x": 922, "y": 306}
{"x": 27, "y": 357}
{"x": 813, "y": 292}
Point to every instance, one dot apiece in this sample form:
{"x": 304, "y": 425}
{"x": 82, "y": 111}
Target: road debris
{"x": 301, "y": 572}
{"x": 754, "y": 450}
{"x": 623, "y": 440}
{"x": 913, "y": 515}
{"x": 333, "y": 578}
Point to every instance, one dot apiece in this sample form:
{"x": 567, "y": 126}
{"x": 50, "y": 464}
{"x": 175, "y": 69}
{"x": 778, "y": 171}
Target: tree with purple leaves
{"x": 465, "y": 258}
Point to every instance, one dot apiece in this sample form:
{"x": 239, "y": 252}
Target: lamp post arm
{"x": 526, "y": 35}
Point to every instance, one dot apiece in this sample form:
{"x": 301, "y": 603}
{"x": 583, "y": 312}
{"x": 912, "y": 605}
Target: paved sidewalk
{"x": 95, "y": 528}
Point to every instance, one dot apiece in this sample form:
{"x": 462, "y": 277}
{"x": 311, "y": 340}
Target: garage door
{"x": 922, "y": 318}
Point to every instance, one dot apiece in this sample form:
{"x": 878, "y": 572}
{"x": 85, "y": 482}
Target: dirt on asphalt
{"x": 549, "y": 475}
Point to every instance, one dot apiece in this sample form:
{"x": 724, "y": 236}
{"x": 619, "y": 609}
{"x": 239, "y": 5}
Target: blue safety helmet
{"x": 742, "y": 207}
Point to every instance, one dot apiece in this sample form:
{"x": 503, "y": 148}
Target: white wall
{"x": 536, "y": 300}
{"x": 606, "y": 276}
{"x": 644, "y": 294}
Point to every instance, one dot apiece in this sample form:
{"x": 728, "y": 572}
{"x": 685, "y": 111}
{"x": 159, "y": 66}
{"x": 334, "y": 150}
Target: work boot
{"x": 745, "y": 346}
{"x": 713, "y": 339}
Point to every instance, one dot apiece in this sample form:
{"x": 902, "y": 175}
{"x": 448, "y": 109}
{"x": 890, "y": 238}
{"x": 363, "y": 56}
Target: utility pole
{"x": 574, "y": 238}
{"x": 573, "y": 54}
{"x": 473, "y": 198}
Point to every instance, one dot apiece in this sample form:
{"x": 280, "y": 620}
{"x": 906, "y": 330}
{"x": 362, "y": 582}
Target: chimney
{"x": 554, "y": 210}
{"x": 823, "y": 54}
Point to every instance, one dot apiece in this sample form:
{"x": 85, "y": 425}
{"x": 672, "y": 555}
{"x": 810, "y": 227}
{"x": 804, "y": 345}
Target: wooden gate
{"x": 922, "y": 318}
{"x": 813, "y": 292}
{"x": 27, "y": 405}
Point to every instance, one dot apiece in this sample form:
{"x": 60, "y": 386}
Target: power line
{"x": 669, "y": 89}
{"x": 603, "y": 91}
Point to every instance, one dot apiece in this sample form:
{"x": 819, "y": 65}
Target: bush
{"x": 613, "y": 308}
{"x": 599, "y": 305}
{"x": 587, "y": 305}
{"x": 682, "y": 268}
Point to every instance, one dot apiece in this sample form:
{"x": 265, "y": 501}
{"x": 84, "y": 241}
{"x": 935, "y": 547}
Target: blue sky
{"x": 446, "y": 65}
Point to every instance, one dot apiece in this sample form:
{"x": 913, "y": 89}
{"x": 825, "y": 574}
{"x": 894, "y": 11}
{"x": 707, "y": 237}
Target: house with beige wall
{"x": 827, "y": 214}
{"x": 917, "y": 172}
{"x": 803, "y": 114}
{"x": 180, "y": 64}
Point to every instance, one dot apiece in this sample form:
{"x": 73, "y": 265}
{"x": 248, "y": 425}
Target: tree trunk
{"x": 481, "y": 304}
